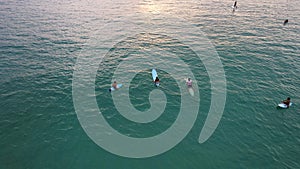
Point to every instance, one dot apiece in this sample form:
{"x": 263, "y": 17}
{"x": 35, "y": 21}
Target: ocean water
{"x": 41, "y": 43}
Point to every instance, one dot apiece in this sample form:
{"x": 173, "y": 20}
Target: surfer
{"x": 285, "y": 22}
{"x": 156, "y": 81}
{"x": 234, "y": 6}
{"x": 189, "y": 82}
{"x": 114, "y": 85}
{"x": 287, "y": 102}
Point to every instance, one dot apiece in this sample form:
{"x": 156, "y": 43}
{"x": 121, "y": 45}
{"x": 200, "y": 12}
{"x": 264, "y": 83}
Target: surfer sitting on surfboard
{"x": 189, "y": 82}
{"x": 156, "y": 81}
{"x": 287, "y": 102}
{"x": 114, "y": 85}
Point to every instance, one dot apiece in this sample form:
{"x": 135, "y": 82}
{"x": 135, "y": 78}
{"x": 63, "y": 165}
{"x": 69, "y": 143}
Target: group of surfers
{"x": 189, "y": 83}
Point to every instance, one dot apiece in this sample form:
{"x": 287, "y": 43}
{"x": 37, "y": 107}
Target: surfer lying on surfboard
{"x": 115, "y": 86}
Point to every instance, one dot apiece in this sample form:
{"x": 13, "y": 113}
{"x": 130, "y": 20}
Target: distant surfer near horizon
{"x": 234, "y": 6}
{"x": 285, "y": 22}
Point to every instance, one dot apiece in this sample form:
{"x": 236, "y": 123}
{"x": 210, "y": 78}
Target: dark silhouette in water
{"x": 234, "y": 7}
{"x": 287, "y": 102}
{"x": 235, "y": 3}
{"x": 285, "y": 22}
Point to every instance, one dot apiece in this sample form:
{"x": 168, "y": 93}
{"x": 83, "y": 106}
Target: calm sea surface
{"x": 40, "y": 42}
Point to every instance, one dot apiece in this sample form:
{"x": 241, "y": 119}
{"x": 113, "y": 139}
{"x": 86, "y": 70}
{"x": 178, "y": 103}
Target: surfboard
{"x": 154, "y": 75}
{"x": 191, "y": 91}
{"x": 113, "y": 89}
{"x": 284, "y": 106}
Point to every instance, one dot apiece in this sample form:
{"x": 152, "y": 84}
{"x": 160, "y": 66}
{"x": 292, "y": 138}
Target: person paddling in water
{"x": 189, "y": 82}
{"x": 287, "y": 102}
{"x": 156, "y": 81}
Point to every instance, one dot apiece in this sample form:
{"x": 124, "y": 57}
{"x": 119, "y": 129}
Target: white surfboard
{"x": 191, "y": 91}
{"x": 113, "y": 89}
{"x": 154, "y": 75}
{"x": 284, "y": 106}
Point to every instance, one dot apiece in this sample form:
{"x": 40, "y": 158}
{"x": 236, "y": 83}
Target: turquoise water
{"x": 40, "y": 42}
